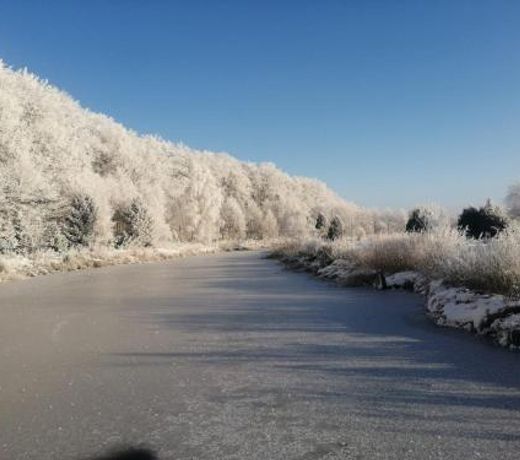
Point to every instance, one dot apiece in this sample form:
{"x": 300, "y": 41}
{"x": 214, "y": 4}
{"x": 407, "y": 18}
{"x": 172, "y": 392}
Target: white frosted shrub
{"x": 386, "y": 253}
{"x": 487, "y": 265}
{"x": 491, "y": 265}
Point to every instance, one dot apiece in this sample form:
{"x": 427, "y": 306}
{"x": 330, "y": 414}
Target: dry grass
{"x": 491, "y": 266}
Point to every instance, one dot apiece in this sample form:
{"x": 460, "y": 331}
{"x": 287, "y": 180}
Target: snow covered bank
{"x": 15, "y": 266}
{"x": 42, "y": 263}
{"x": 492, "y": 315}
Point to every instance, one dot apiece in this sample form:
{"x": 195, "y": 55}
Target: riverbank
{"x": 16, "y": 266}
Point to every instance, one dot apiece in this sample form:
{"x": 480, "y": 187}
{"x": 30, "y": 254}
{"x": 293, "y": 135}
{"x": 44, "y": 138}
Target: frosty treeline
{"x": 71, "y": 178}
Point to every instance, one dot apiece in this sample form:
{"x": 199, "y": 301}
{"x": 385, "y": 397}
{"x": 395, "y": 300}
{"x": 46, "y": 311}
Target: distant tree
{"x": 133, "y": 225}
{"x": 269, "y": 225}
{"x": 335, "y": 229}
{"x": 484, "y": 222}
{"x": 513, "y": 200}
{"x": 78, "y": 226}
{"x": 321, "y": 225}
{"x": 254, "y": 222}
{"x": 418, "y": 220}
{"x": 233, "y": 224}
{"x": 104, "y": 164}
{"x": 427, "y": 218}
{"x": 293, "y": 223}
{"x": 321, "y": 222}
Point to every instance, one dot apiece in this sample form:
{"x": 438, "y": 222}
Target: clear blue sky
{"x": 390, "y": 102}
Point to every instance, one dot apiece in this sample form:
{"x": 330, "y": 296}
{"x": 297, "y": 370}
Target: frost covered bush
{"x": 22, "y": 230}
{"x": 418, "y": 220}
{"x": 484, "y": 222}
{"x": 54, "y": 238}
{"x": 427, "y": 218}
{"x": 491, "y": 265}
{"x": 385, "y": 253}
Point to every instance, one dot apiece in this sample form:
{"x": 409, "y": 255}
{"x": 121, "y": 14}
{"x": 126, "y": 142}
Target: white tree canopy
{"x": 52, "y": 150}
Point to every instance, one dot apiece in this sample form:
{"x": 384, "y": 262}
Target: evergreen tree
{"x": 418, "y": 220}
{"x": 321, "y": 222}
{"x": 485, "y": 222}
{"x": 335, "y": 229}
{"x": 133, "y": 225}
{"x": 78, "y": 227}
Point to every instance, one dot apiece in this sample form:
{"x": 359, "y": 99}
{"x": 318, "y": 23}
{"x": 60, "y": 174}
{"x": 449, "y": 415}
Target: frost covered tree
{"x": 133, "y": 225}
{"x": 254, "y": 222}
{"x": 484, "y": 222}
{"x": 321, "y": 225}
{"x": 233, "y": 220}
{"x": 418, "y": 220}
{"x": 513, "y": 200}
{"x": 426, "y": 218}
{"x": 269, "y": 227}
{"x": 78, "y": 225}
{"x": 336, "y": 230}
{"x": 195, "y": 213}
{"x": 321, "y": 222}
{"x": 50, "y": 145}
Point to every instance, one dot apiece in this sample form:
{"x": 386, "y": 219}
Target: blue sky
{"x": 391, "y": 103}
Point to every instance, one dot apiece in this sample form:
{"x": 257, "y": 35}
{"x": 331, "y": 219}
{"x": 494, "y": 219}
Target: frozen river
{"x": 231, "y": 356}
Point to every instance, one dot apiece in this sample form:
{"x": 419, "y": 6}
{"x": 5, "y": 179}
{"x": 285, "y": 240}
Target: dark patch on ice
{"x": 128, "y": 453}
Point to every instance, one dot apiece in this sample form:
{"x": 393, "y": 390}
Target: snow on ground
{"x": 403, "y": 280}
{"x": 346, "y": 274}
{"x": 460, "y": 307}
{"x": 484, "y": 314}
{"x": 507, "y": 330}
